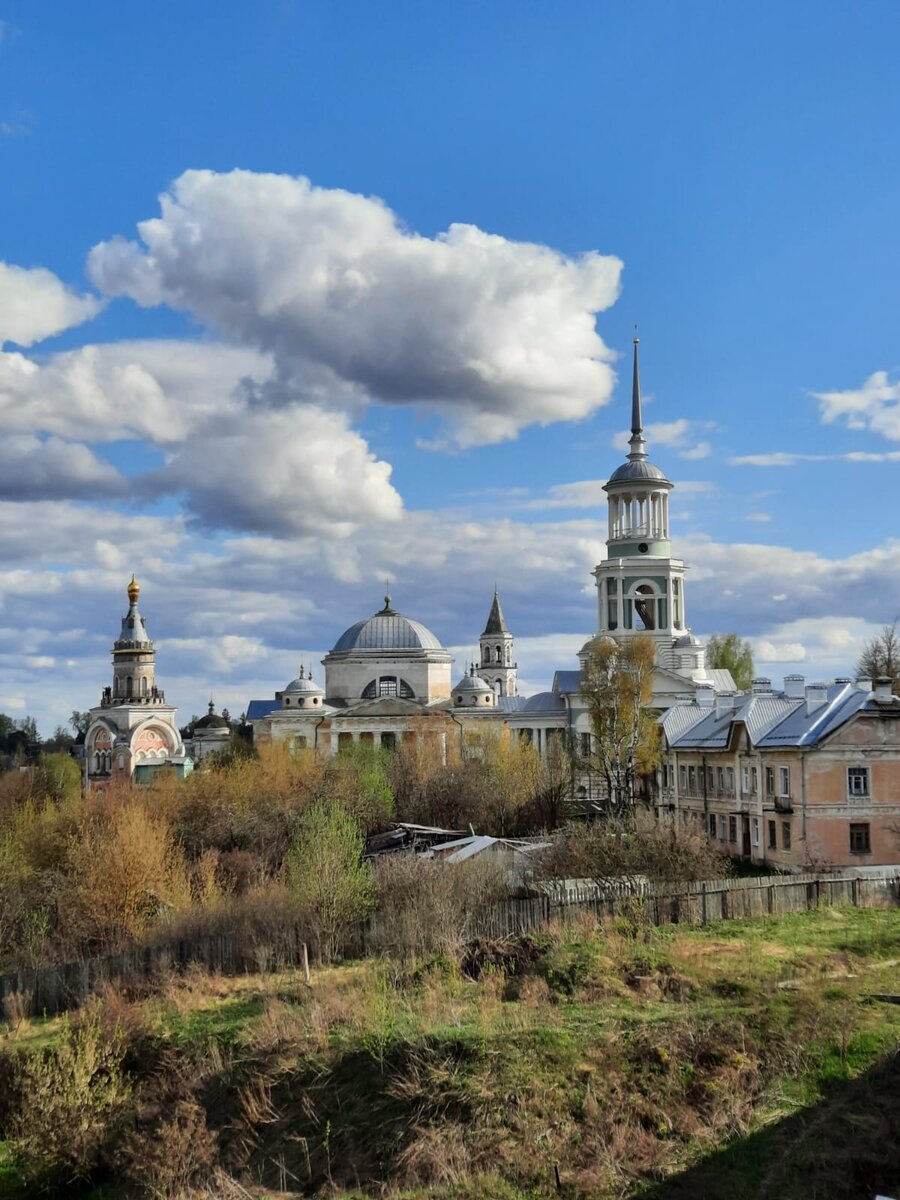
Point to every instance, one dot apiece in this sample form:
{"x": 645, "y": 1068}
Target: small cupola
{"x": 473, "y": 692}
{"x": 303, "y": 692}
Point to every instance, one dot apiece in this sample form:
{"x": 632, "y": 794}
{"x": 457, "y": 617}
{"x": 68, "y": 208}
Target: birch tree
{"x": 617, "y": 685}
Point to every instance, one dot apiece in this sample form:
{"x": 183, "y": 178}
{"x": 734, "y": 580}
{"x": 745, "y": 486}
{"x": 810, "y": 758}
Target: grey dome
{"x": 303, "y": 684}
{"x": 634, "y": 472}
{"x": 687, "y": 639}
{"x": 387, "y": 630}
{"x": 545, "y": 702}
{"x": 212, "y": 720}
{"x": 599, "y": 639}
{"x": 472, "y": 683}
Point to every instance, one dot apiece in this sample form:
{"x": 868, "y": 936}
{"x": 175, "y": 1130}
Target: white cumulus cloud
{"x": 35, "y": 304}
{"x": 491, "y": 334}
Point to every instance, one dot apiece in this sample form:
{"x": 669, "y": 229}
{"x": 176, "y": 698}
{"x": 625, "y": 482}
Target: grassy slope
{"x": 656, "y": 1063}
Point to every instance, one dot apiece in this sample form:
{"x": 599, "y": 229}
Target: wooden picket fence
{"x": 54, "y": 989}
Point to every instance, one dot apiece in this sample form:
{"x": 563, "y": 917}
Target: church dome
{"x": 303, "y": 685}
{"x": 212, "y": 720}
{"x": 637, "y": 472}
{"x": 386, "y": 630}
{"x": 472, "y": 683}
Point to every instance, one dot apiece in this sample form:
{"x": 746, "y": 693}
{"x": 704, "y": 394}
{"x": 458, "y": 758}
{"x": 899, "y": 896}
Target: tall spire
{"x": 495, "y": 621}
{"x": 637, "y": 444}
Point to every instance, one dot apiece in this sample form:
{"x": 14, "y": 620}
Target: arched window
{"x": 116, "y": 685}
{"x": 388, "y": 685}
{"x": 485, "y": 655}
{"x": 129, "y": 686}
{"x": 143, "y": 685}
{"x": 645, "y": 605}
{"x": 499, "y": 652}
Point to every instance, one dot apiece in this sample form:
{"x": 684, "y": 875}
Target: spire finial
{"x": 387, "y": 596}
{"x": 134, "y": 590}
{"x": 637, "y": 444}
{"x": 212, "y": 707}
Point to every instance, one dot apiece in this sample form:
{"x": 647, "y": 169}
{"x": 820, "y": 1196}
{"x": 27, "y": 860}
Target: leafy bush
{"x": 72, "y": 1103}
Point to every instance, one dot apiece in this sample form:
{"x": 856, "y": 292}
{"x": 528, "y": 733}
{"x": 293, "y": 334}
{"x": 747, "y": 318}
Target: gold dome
{"x": 134, "y": 590}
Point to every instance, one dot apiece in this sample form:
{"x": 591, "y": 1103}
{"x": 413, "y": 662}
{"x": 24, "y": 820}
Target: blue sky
{"x": 739, "y": 162}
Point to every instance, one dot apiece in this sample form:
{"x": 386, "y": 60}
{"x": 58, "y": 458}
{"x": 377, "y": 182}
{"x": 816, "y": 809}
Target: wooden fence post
{"x": 703, "y": 903}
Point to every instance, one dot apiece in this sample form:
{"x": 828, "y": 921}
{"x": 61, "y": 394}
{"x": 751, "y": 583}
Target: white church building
{"x": 389, "y": 677}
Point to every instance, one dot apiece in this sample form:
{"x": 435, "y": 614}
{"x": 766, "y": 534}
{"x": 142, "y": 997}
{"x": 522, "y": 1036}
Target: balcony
{"x": 783, "y": 804}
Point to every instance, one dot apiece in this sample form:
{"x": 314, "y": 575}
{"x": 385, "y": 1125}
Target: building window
{"x": 712, "y": 825}
{"x": 692, "y": 779}
{"x": 860, "y": 839}
{"x": 785, "y": 835}
{"x": 729, "y": 775}
{"x": 732, "y": 829}
{"x": 682, "y": 778}
{"x": 785, "y": 774}
{"x": 770, "y": 781}
{"x": 720, "y": 779}
{"x": 773, "y": 839}
{"x": 746, "y": 778}
{"x": 858, "y": 781}
{"x": 722, "y": 828}
{"x": 754, "y": 780}
{"x": 586, "y": 745}
{"x": 755, "y": 831}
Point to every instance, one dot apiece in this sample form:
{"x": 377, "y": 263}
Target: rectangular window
{"x": 770, "y": 781}
{"x": 729, "y": 775}
{"x": 785, "y": 781}
{"x": 712, "y": 825}
{"x": 692, "y": 779}
{"x": 785, "y": 835}
{"x": 773, "y": 839}
{"x": 682, "y": 778}
{"x": 860, "y": 839}
{"x": 755, "y": 831}
{"x": 586, "y": 746}
{"x": 858, "y": 781}
{"x": 723, "y": 828}
{"x": 732, "y": 829}
{"x": 746, "y": 777}
{"x": 754, "y": 780}
{"x": 720, "y": 779}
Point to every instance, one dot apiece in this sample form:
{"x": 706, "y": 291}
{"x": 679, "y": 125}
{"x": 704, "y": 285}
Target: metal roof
{"x": 549, "y": 702}
{"x": 387, "y": 630}
{"x": 567, "y": 681}
{"x": 261, "y": 708}
{"x": 495, "y": 622}
{"x": 511, "y": 704}
{"x": 772, "y": 719}
{"x": 631, "y": 472}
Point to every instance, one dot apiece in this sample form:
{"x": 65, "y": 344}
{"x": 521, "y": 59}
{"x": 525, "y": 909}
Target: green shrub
{"x": 72, "y": 1103}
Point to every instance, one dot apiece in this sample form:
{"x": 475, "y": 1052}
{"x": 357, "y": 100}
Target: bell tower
{"x": 134, "y": 655}
{"x": 496, "y": 646}
{"x": 640, "y": 587}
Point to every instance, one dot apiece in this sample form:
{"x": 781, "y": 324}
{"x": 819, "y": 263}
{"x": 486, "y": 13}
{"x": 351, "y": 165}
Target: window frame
{"x": 860, "y": 831}
{"x": 771, "y": 835}
{"x": 862, "y": 773}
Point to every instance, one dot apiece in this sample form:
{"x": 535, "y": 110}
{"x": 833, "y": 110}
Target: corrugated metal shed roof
{"x": 511, "y": 704}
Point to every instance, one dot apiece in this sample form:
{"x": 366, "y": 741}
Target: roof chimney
{"x": 724, "y": 703}
{"x": 884, "y": 689}
{"x": 865, "y": 684}
{"x": 761, "y": 686}
{"x": 705, "y": 694}
{"x": 816, "y": 696}
{"x": 794, "y": 686}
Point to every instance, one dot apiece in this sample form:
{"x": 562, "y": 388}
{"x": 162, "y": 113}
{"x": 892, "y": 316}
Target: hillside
{"x": 740, "y": 1060}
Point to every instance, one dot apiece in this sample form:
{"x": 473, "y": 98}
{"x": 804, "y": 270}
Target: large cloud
{"x": 300, "y": 471}
{"x": 493, "y": 334}
{"x": 33, "y": 468}
{"x": 35, "y": 304}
